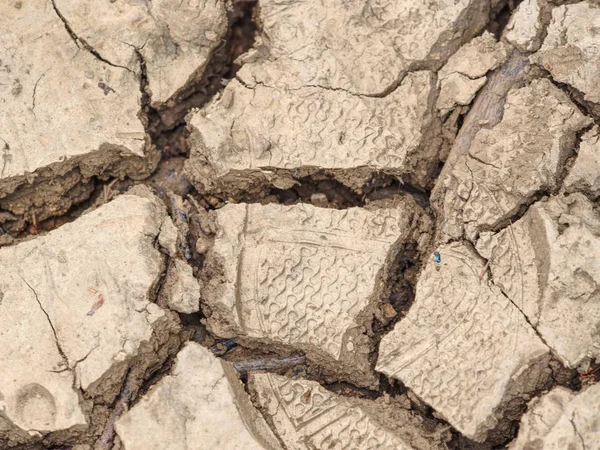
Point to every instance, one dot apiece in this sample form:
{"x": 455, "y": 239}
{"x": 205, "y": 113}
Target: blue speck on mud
{"x": 437, "y": 257}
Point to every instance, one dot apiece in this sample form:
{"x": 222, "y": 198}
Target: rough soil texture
{"x": 305, "y": 415}
{"x": 299, "y": 225}
{"x": 544, "y": 265}
{"x": 561, "y": 419}
{"x": 78, "y": 315}
{"x": 462, "y": 343}
{"x": 305, "y": 277}
{"x": 201, "y": 396}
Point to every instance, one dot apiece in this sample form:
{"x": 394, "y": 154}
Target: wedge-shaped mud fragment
{"x": 526, "y": 26}
{"x": 570, "y": 51}
{"x": 584, "y": 176}
{"x": 561, "y": 419}
{"x": 359, "y": 47}
{"x": 304, "y": 278}
{"x": 463, "y": 347}
{"x": 174, "y": 39}
{"x": 255, "y": 137}
{"x": 201, "y": 405}
{"x": 506, "y": 166}
{"x": 306, "y": 416}
{"x": 76, "y": 315}
{"x": 58, "y": 126}
{"x": 547, "y": 264}
{"x": 464, "y": 74}
{"x": 181, "y": 291}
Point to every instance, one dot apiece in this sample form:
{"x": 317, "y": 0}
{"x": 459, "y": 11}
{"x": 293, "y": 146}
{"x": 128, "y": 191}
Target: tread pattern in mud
{"x": 297, "y": 225}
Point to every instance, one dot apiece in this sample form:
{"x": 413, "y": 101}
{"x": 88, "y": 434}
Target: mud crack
{"x": 58, "y": 346}
{"x": 82, "y": 43}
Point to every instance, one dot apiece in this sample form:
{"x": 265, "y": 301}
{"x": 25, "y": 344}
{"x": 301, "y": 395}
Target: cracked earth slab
{"x": 584, "y": 175}
{"x": 174, "y": 38}
{"x": 255, "y": 137}
{"x": 100, "y": 56}
{"x": 77, "y": 315}
{"x": 570, "y": 50}
{"x": 506, "y": 166}
{"x": 325, "y": 97}
{"x": 362, "y": 48}
{"x": 527, "y": 25}
{"x": 305, "y": 278}
{"x": 561, "y": 419}
{"x": 545, "y": 263}
{"x": 306, "y": 416}
{"x": 465, "y": 72}
{"x": 200, "y": 405}
{"x": 44, "y": 140}
{"x": 463, "y": 347}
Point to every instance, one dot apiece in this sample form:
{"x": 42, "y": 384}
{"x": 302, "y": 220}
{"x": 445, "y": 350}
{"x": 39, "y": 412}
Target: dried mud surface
{"x": 294, "y": 225}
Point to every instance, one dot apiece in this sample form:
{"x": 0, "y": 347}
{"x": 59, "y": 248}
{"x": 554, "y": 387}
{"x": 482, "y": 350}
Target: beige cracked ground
{"x": 299, "y": 225}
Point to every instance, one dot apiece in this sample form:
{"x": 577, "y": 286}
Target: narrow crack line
{"x": 521, "y": 211}
{"x": 482, "y": 161}
{"x": 525, "y": 317}
{"x": 488, "y": 270}
{"x": 80, "y": 42}
{"x": 382, "y": 94}
{"x": 572, "y": 420}
{"x": 60, "y": 350}
{"x": 35, "y": 90}
{"x": 571, "y": 92}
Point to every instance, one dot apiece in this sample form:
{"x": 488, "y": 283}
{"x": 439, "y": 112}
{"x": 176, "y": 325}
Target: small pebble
{"x": 201, "y": 246}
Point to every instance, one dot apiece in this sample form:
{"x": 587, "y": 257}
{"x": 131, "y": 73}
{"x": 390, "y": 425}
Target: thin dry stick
{"x": 268, "y": 363}
{"x": 107, "y": 439}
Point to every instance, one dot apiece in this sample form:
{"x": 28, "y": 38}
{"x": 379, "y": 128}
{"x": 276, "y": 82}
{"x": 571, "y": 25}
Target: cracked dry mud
{"x": 293, "y": 224}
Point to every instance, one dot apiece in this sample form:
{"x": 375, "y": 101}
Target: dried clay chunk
{"x": 508, "y": 164}
{"x": 256, "y": 136}
{"x": 327, "y": 87}
{"x": 463, "y": 347}
{"x": 570, "y": 51}
{"x": 547, "y": 264}
{"x": 305, "y": 278}
{"x": 356, "y": 47}
{"x": 58, "y": 105}
{"x": 464, "y": 73}
{"x": 172, "y": 38}
{"x": 584, "y": 176}
{"x": 305, "y": 416}
{"x": 525, "y": 28}
{"x": 76, "y": 314}
{"x": 201, "y": 405}
{"x": 560, "y": 420}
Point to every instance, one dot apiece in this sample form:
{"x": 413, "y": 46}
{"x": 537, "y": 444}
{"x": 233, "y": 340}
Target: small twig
{"x": 106, "y": 189}
{"x": 220, "y": 348}
{"x": 487, "y": 264}
{"x": 106, "y": 441}
{"x": 34, "y": 222}
{"x": 269, "y": 363}
{"x": 194, "y": 202}
{"x": 96, "y": 305}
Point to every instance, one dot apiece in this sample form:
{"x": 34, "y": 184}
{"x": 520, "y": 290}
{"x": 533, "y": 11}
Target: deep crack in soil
{"x": 166, "y": 127}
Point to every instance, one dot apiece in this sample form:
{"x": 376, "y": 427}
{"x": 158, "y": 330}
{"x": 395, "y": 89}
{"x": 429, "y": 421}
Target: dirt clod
{"x": 299, "y": 224}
